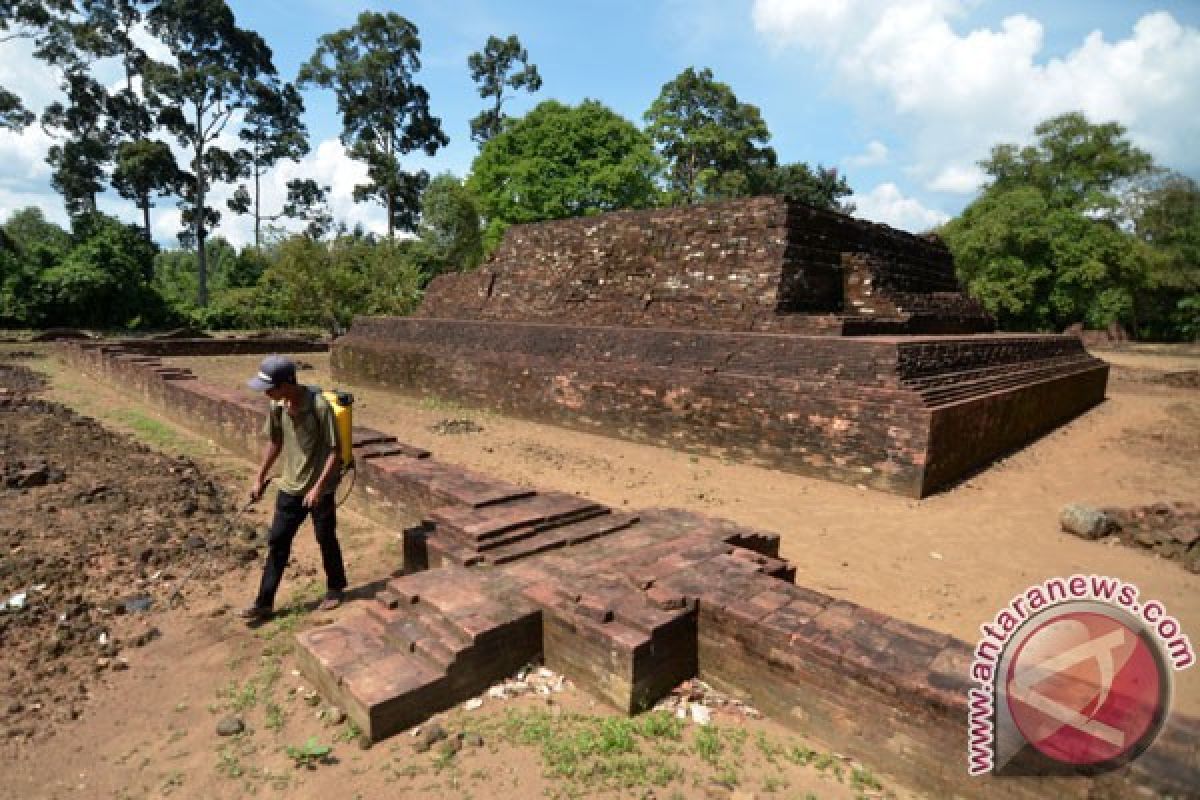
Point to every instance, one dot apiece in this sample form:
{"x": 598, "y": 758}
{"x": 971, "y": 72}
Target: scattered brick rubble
{"x": 1170, "y": 530}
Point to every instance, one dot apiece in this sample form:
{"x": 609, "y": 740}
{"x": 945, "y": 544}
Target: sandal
{"x": 255, "y": 614}
{"x": 331, "y": 601}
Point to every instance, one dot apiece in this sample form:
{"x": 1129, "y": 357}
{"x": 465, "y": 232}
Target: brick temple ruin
{"x": 759, "y": 330}
{"x": 626, "y": 604}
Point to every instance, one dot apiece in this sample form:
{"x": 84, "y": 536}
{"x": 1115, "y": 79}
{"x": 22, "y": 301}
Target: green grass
{"x": 239, "y": 697}
{"x": 584, "y": 755}
{"x": 229, "y": 764}
{"x": 708, "y": 745}
{"x": 310, "y": 754}
{"x": 433, "y": 402}
{"x": 276, "y": 716}
{"x": 148, "y": 429}
{"x": 861, "y": 778}
{"x": 350, "y": 732}
{"x": 593, "y": 753}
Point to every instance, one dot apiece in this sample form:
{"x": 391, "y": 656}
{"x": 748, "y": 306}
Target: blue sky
{"x": 903, "y": 97}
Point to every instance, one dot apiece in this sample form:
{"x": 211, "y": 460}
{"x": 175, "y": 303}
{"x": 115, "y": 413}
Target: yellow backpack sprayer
{"x": 341, "y": 404}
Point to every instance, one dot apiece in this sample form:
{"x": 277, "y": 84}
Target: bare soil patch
{"x": 95, "y": 529}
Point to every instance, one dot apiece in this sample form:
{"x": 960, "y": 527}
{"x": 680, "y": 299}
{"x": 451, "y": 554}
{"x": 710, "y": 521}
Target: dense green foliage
{"x": 449, "y": 238}
{"x": 100, "y": 275}
{"x": 1080, "y": 227}
{"x": 563, "y": 161}
{"x": 716, "y": 147}
{"x": 711, "y": 141}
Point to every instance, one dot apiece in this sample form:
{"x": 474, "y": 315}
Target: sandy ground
{"x": 948, "y": 562}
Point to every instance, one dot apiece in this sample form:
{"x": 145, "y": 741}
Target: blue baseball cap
{"x": 273, "y": 371}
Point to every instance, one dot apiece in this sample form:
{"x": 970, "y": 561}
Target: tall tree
{"x": 494, "y": 69}
{"x": 143, "y": 167}
{"x": 371, "y": 67}
{"x": 273, "y": 130}
{"x": 1042, "y": 247}
{"x": 1074, "y": 163}
{"x": 85, "y": 139}
{"x": 81, "y": 123}
{"x": 1166, "y": 221}
{"x": 216, "y": 67}
{"x": 712, "y": 143}
{"x": 563, "y": 161}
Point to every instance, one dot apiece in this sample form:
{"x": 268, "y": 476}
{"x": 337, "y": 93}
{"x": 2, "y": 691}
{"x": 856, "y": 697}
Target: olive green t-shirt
{"x": 308, "y": 439}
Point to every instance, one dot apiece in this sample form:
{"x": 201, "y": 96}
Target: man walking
{"x": 300, "y": 427}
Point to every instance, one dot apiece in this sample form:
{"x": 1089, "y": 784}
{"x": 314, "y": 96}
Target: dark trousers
{"x": 289, "y": 513}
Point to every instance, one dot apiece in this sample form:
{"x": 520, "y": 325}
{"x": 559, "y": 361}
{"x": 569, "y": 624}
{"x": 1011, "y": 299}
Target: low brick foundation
{"x": 626, "y": 605}
{"x": 903, "y": 414}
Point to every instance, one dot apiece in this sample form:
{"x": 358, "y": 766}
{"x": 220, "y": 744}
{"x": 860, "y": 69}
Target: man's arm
{"x": 331, "y": 467}
{"x": 270, "y": 454}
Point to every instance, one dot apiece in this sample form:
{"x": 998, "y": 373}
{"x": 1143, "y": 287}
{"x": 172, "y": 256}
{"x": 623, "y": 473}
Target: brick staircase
{"x": 425, "y": 642}
{"x": 518, "y": 527}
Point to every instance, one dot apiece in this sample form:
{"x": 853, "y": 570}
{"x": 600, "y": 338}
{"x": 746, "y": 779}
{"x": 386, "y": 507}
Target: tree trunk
{"x": 145, "y": 204}
{"x": 201, "y": 261}
{"x": 391, "y": 212}
{"x": 257, "y": 198}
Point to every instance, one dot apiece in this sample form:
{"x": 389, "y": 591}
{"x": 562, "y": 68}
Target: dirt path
{"x": 75, "y": 725}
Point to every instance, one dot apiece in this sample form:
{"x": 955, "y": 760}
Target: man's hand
{"x": 257, "y": 489}
{"x": 313, "y": 497}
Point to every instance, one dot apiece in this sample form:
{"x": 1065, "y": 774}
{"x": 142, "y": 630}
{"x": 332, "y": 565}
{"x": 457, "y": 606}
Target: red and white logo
{"x": 1073, "y": 676}
{"x": 1085, "y": 688}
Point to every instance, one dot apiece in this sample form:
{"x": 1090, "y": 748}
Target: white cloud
{"x": 887, "y": 204}
{"x": 958, "y": 179}
{"x": 152, "y": 45}
{"x": 875, "y": 154}
{"x": 26, "y": 77}
{"x": 958, "y": 94}
{"x": 23, "y": 156}
{"x": 50, "y": 203}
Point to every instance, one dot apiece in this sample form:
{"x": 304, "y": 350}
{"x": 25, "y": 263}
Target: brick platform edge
{"x": 626, "y": 605}
{"x": 908, "y": 415}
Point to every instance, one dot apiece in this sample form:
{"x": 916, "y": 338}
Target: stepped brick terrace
{"x": 766, "y": 332}
{"x": 625, "y": 604}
